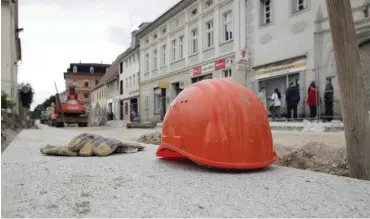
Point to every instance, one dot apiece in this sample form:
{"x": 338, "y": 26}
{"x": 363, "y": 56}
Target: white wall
{"x": 179, "y": 70}
{"x": 129, "y": 73}
{"x": 9, "y": 73}
{"x": 185, "y": 23}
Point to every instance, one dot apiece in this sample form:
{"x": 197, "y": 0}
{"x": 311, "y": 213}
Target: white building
{"x": 10, "y": 47}
{"x": 129, "y": 80}
{"x": 192, "y": 41}
{"x": 290, "y": 40}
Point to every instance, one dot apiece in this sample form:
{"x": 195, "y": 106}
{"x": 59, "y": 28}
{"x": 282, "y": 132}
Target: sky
{"x": 59, "y": 32}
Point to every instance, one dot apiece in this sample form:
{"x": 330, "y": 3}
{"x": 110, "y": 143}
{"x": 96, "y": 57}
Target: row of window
{"x": 130, "y": 82}
{"x": 265, "y": 9}
{"x": 128, "y": 62}
{"x": 177, "y": 44}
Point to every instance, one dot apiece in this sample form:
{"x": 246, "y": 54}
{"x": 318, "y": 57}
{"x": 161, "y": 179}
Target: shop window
{"x": 126, "y": 108}
{"x": 157, "y": 101}
{"x": 227, "y": 73}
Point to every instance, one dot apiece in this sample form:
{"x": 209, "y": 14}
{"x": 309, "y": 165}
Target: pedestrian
{"x": 262, "y": 96}
{"x": 312, "y": 99}
{"x": 276, "y": 104}
{"x": 329, "y": 100}
{"x": 292, "y": 99}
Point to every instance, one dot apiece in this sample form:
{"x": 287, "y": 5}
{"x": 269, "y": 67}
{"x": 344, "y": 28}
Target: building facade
{"x": 104, "y": 100}
{"x": 10, "y": 48}
{"x": 193, "y": 41}
{"x": 290, "y": 41}
{"x": 85, "y": 76}
{"x": 129, "y": 80}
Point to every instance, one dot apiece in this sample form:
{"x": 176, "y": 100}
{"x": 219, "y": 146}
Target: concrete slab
{"x": 140, "y": 185}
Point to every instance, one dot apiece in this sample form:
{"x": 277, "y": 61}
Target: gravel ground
{"x": 140, "y": 185}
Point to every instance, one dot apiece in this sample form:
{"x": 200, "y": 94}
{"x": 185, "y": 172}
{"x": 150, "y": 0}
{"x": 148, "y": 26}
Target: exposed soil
{"x": 314, "y": 156}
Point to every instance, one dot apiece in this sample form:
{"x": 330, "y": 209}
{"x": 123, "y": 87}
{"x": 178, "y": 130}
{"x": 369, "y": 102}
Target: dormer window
{"x": 209, "y": 3}
{"x": 194, "y": 11}
{"x": 91, "y": 69}
{"x": 74, "y": 69}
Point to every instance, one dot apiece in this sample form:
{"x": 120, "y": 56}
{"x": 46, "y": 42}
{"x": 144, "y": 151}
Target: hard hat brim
{"x": 166, "y": 151}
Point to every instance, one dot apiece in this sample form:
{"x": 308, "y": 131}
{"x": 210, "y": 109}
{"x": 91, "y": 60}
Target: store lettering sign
{"x": 133, "y": 92}
{"x": 280, "y": 70}
{"x": 197, "y": 70}
{"x": 220, "y": 64}
{"x": 208, "y": 68}
{"x": 164, "y": 84}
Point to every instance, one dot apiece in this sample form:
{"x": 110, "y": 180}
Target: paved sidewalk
{"x": 140, "y": 185}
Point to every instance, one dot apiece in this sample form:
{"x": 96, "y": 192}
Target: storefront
{"x": 129, "y": 107}
{"x": 280, "y": 75}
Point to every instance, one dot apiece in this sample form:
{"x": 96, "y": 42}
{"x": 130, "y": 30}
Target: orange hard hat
{"x": 218, "y": 123}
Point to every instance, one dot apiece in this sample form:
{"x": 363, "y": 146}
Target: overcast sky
{"x": 58, "y": 32}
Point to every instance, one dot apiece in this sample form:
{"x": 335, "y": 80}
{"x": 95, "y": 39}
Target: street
{"x": 140, "y": 185}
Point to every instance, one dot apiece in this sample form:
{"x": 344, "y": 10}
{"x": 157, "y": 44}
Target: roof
{"x": 173, "y": 11}
{"x": 111, "y": 73}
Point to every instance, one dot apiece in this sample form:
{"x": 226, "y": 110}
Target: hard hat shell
{"x": 218, "y": 123}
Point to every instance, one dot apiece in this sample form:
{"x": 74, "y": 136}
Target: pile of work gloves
{"x": 87, "y": 145}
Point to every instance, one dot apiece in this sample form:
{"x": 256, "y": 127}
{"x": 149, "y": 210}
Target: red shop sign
{"x": 197, "y": 70}
{"x": 220, "y": 64}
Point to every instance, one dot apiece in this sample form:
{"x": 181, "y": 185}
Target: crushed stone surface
{"x": 140, "y": 185}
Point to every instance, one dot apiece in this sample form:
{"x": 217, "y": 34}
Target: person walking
{"x": 276, "y": 104}
{"x": 312, "y": 99}
{"x": 329, "y": 100}
{"x": 262, "y": 96}
{"x": 292, "y": 99}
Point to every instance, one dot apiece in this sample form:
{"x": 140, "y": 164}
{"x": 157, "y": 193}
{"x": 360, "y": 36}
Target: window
{"x": 147, "y": 62}
{"x": 74, "y": 69}
{"x": 226, "y": 73}
{"x": 155, "y": 36}
{"x": 209, "y": 34}
{"x": 129, "y": 60}
{"x": 157, "y": 101}
{"x": 134, "y": 81}
{"x": 133, "y": 58}
{"x": 86, "y": 97}
{"x": 96, "y": 82}
{"x": 126, "y": 83}
{"x": 121, "y": 67}
{"x": 265, "y": 11}
{"x": 209, "y": 3}
{"x": 86, "y": 83}
{"x": 138, "y": 78}
{"x": 91, "y": 70}
{"x": 164, "y": 57}
{"x": 155, "y": 62}
{"x": 164, "y": 30}
{"x": 129, "y": 82}
{"x": 227, "y": 26}
{"x": 173, "y": 57}
{"x": 194, "y": 41}
{"x": 126, "y": 63}
{"x": 298, "y": 5}
{"x": 181, "y": 47}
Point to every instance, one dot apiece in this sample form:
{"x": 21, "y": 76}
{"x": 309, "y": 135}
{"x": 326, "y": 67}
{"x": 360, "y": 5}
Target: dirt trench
{"x": 314, "y": 156}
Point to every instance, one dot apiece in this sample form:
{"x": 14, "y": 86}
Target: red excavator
{"x": 68, "y": 109}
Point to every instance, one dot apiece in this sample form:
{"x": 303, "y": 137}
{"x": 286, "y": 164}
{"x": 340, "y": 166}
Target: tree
{"x": 26, "y": 95}
{"x": 352, "y": 88}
